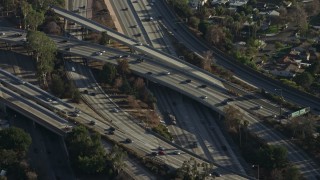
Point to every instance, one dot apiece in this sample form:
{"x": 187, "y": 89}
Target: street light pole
{"x": 257, "y": 165}
{"x": 281, "y": 99}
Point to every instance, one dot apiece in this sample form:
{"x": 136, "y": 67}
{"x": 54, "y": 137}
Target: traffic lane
{"x": 117, "y": 116}
{"x": 308, "y": 168}
{"x": 174, "y": 160}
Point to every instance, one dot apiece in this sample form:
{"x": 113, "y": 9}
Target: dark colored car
{"x": 203, "y": 86}
{"x": 162, "y": 153}
{"x": 154, "y": 154}
{"x": 216, "y": 174}
{"x": 92, "y": 123}
{"x": 149, "y": 73}
{"x": 188, "y": 81}
{"x": 112, "y": 129}
{"x": 128, "y": 140}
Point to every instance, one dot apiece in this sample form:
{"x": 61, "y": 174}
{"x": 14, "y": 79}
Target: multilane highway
{"x": 215, "y": 93}
{"x": 143, "y": 142}
{"x": 303, "y": 100}
{"x": 139, "y": 14}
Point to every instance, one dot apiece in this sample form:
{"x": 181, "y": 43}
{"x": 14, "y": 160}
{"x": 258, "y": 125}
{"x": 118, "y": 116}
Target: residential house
{"x": 196, "y": 3}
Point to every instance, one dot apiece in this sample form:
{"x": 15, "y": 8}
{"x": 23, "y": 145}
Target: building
{"x": 196, "y": 3}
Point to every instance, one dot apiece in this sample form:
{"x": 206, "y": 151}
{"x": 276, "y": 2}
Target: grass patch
{"x": 272, "y": 29}
{"x": 163, "y": 131}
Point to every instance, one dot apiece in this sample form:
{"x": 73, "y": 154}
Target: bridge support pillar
{"x": 3, "y": 107}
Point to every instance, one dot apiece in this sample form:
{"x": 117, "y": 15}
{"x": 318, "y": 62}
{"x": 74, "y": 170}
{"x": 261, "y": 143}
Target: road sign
{"x": 299, "y": 113}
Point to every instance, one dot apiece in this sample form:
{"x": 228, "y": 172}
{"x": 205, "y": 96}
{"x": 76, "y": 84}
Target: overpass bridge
{"x": 34, "y": 111}
{"x": 215, "y": 91}
{"x": 299, "y": 97}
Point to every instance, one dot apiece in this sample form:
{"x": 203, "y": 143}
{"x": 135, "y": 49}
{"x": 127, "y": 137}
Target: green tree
{"x": 123, "y": 67}
{"x": 203, "y": 26}
{"x": 8, "y": 157}
{"x": 26, "y": 9}
{"x": 314, "y": 68}
{"x": 292, "y": 173}
{"x": 86, "y": 151}
{"x": 272, "y": 157}
{"x": 278, "y": 45}
{"x": 76, "y": 97}
{"x": 232, "y": 116}
{"x": 57, "y": 85}
{"x": 15, "y": 139}
{"x": 104, "y": 38}
{"x": 108, "y": 73}
{"x": 194, "y": 22}
{"x": 34, "y": 19}
{"x": 304, "y": 79}
{"x": 126, "y": 87}
{"x": 44, "y": 51}
{"x": 9, "y": 5}
{"x": 117, "y": 157}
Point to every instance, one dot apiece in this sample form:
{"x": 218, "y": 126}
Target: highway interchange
{"x": 215, "y": 91}
{"x": 255, "y": 125}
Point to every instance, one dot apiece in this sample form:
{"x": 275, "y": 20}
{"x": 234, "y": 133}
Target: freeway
{"x": 139, "y": 13}
{"x": 300, "y": 98}
{"x": 215, "y": 93}
{"x": 34, "y": 111}
{"x": 144, "y": 142}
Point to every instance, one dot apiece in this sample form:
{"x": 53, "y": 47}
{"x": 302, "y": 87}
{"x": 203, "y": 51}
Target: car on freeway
{"x": 203, "y": 86}
{"x": 73, "y": 114}
{"x": 149, "y": 73}
{"x": 68, "y": 49}
{"x": 134, "y": 26}
{"x": 112, "y": 128}
{"x": 259, "y": 107}
{"x": 139, "y": 60}
{"x": 99, "y": 53}
{"x": 115, "y": 110}
{"x": 161, "y": 153}
{"x": 161, "y": 148}
{"x": 77, "y": 111}
{"x": 177, "y": 152}
{"x": 49, "y": 99}
{"x": 154, "y": 154}
{"x": 64, "y": 41}
{"x": 126, "y": 56}
{"x": 216, "y": 174}
{"x": 150, "y": 19}
{"x": 111, "y": 132}
{"x": 138, "y": 35}
{"x": 93, "y": 94}
{"x": 203, "y": 97}
{"x": 2, "y": 33}
{"x": 119, "y": 56}
{"x": 125, "y": 9}
{"x": 188, "y": 81}
{"x": 18, "y": 35}
{"x": 166, "y": 73}
{"x": 139, "y": 44}
{"x": 92, "y": 122}
{"x": 128, "y": 140}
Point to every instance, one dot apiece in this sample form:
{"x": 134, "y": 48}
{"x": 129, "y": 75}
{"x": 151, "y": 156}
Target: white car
{"x": 116, "y": 110}
{"x": 98, "y": 53}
